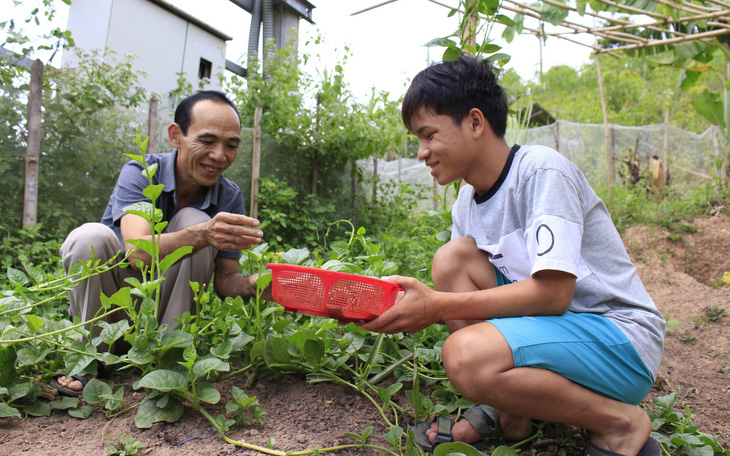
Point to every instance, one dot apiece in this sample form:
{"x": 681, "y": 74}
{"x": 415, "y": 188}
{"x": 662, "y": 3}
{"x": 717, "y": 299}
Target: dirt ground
{"x": 678, "y": 271}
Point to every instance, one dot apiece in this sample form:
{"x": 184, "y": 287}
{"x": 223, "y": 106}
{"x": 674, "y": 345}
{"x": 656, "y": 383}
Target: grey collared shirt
{"x": 223, "y": 196}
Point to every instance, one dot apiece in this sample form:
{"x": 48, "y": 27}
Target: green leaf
{"x": 138, "y": 158}
{"x": 711, "y": 107}
{"x": 295, "y": 256}
{"x": 164, "y": 380}
{"x": 241, "y": 341}
{"x": 222, "y": 350}
{"x": 144, "y": 245}
{"x": 553, "y": 14}
{"x": 65, "y": 403}
{"x": 490, "y": 48}
{"x": 150, "y": 170}
{"x": 28, "y": 356}
{"x": 35, "y": 273}
{"x": 17, "y": 277}
{"x": 82, "y": 412}
{"x": 173, "y": 257}
{"x": 7, "y": 411}
{"x": 112, "y": 331}
{"x": 500, "y": 57}
{"x": 33, "y": 322}
{"x": 94, "y": 390}
{"x": 209, "y": 394}
{"x": 257, "y": 351}
{"x": 457, "y": 448}
{"x": 506, "y": 20}
{"x": 663, "y": 58}
{"x": 149, "y": 413}
{"x": 75, "y": 362}
{"x": 663, "y": 405}
{"x": 21, "y": 390}
{"x": 140, "y": 356}
{"x": 451, "y": 54}
{"x": 38, "y": 409}
{"x": 176, "y": 339}
{"x": 263, "y": 281}
{"x": 152, "y": 192}
{"x": 314, "y": 351}
{"x": 689, "y": 79}
{"x": 276, "y": 351}
{"x": 508, "y": 34}
{"x": 504, "y": 450}
{"x": 209, "y": 364}
{"x": 143, "y": 209}
{"x": 394, "y": 435}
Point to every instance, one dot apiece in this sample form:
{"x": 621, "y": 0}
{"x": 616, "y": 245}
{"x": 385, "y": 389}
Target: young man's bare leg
{"x": 460, "y": 266}
{"x": 479, "y": 363}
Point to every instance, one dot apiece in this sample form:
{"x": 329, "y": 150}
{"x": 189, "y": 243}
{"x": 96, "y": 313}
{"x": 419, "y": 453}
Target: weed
{"x": 723, "y": 281}
{"x": 672, "y": 324}
{"x": 675, "y": 430}
{"x": 124, "y": 446}
{"x": 711, "y": 315}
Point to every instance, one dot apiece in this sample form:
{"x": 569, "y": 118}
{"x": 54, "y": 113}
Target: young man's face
{"x": 443, "y": 145}
{"x": 209, "y": 147}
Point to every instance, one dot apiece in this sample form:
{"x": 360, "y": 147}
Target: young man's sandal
{"x": 484, "y": 418}
{"x": 650, "y": 448}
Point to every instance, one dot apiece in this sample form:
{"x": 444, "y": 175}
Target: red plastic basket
{"x": 331, "y": 294}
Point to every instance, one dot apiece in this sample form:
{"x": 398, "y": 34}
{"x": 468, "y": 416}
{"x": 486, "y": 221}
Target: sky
{"x": 386, "y": 44}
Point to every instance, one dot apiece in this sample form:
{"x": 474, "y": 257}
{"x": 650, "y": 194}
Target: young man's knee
{"x": 458, "y": 254}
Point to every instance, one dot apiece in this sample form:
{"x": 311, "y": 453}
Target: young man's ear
{"x": 174, "y": 134}
{"x": 476, "y": 121}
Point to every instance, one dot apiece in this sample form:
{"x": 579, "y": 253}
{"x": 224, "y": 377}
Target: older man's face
{"x": 210, "y": 146}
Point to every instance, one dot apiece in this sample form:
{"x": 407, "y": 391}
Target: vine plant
{"x": 233, "y": 338}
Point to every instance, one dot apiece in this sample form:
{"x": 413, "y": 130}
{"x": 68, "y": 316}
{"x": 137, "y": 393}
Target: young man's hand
{"x": 415, "y": 310}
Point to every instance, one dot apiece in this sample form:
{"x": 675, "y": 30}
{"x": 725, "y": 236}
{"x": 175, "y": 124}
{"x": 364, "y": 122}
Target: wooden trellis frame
{"x": 714, "y": 15}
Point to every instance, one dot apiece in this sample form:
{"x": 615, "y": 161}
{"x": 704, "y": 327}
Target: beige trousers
{"x": 176, "y": 294}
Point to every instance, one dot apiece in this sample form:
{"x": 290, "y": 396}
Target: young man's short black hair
{"x": 454, "y": 88}
{"x": 183, "y": 113}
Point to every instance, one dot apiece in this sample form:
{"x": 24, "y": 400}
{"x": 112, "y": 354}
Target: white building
{"x": 165, "y": 41}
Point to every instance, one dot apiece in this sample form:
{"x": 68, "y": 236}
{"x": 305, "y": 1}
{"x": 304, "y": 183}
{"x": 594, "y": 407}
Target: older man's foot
{"x": 70, "y": 386}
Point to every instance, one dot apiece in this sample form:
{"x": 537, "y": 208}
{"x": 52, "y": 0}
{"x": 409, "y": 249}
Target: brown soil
{"x": 679, "y": 272}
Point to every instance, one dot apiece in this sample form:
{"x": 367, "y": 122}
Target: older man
{"x": 204, "y": 210}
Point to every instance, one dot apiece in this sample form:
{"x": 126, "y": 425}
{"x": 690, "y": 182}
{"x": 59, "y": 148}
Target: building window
{"x": 205, "y": 69}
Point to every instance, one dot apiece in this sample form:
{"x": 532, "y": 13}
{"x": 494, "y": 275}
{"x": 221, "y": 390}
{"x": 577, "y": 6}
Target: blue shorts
{"x": 583, "y": 347}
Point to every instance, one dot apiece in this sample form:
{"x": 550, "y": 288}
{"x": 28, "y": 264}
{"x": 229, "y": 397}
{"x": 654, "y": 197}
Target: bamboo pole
{"x": 152, "y": 125}
{"x": 726, "y": 116}
{"x": 32, "y": 154}
{"x": 665, "y": 159}
{"x": 605, "y": 31}
{"x": 604, "y": 110}
{"x": 315, "y": 154}
{"x": 669, "y": 41}
{"x": 470, "y": 34}
{"x": 256, "y": 163}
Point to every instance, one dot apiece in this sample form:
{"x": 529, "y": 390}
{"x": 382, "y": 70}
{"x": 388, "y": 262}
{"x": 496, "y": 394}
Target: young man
{"x": 204, "y": 210}
{"x": 549, "y": 318}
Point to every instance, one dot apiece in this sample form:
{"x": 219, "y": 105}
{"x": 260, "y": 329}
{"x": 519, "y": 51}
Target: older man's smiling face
{"x": 210, "y": 146}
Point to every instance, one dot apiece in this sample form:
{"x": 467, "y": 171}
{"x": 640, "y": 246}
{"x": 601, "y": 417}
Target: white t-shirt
{"x": 542, "y": 214}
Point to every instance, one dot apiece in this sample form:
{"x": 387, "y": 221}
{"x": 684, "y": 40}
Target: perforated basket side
{"x": 330, "y": 293}
{"x": 296, "y": 290}
{"x": 356, "y": 299}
